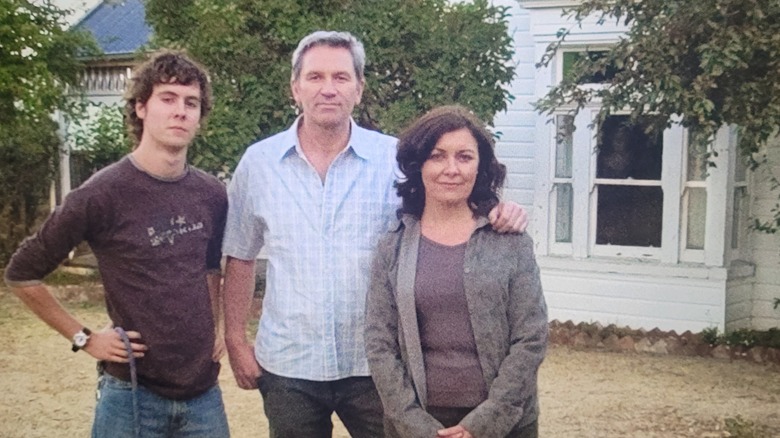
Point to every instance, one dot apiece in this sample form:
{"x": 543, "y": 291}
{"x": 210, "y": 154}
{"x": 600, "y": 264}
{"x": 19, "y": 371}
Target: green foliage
{"x": 710, "y": 335}
{"x": 708, "y": 62}
{"x": 26, "y": 167}
{"x": 102, "y": 139}
{"x": 420, "y": 53}
{"x": 743, "y": 337}
{"x": 769, "y": 226}
{"x": 38, "y": 61}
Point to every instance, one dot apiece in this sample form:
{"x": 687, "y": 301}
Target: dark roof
{"x": 118, "y": 26}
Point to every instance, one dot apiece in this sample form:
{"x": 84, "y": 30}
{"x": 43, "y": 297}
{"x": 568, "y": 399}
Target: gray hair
{"x": 331, "y": 39}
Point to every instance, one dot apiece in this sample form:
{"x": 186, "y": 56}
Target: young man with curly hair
{"x": 155, "y": 225}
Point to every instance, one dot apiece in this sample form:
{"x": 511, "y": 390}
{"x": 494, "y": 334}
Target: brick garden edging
{"x": 626, "y": 340}
{"x": 582, "y": 336}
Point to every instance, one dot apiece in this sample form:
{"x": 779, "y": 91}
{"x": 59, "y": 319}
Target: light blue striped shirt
{"x": 319, "y": 239}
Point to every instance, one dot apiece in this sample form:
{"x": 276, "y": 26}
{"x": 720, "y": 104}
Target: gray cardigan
{"x": 508, "y": 316}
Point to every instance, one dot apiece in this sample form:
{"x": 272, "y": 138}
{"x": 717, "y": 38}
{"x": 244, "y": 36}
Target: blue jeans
{"x": 298, "y": 408}
{"x": 199, "y": 417}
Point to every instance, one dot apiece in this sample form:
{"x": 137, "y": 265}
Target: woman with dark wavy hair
{"x": 417, "y": 143}
{"x": 456, "y": 323}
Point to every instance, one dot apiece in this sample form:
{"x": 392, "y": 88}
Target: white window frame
{"x": 585, "y": 197}
{"x": 719, "y": 186}
{"x": 690, "y": 254}
{"x": 555, "y": 246}
{"x": 738, "y": 221}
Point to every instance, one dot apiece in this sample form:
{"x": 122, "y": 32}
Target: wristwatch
{"x": 80, "y": 339}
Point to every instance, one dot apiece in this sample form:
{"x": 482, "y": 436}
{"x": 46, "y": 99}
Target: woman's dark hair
{"x": 418, "y": 140}
{"x": 164, "y": 67}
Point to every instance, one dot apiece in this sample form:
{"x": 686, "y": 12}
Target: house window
{"x": 695, "y": 196}
{"x": 629, "y": 204}
{"x": 632, "y": 187}
{"x": 612, "y": 189}
{"x": 740, "y": 210}
{"x": 570, "y": 59}
{"x": 562, "y": 179}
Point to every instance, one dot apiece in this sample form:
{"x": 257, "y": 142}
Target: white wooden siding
{"x": 766, "y": 247}
{"x": 739, "y": 303}
{"x": 516, "y": 126}
{"x": 635, "y": 295}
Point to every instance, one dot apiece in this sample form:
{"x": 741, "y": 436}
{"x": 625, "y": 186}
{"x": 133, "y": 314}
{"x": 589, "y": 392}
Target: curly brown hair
{"x": 418, "y": 140}
{"x": 164, "y": 67}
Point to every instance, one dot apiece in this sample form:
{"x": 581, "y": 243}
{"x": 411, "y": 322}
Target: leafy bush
{"x": 420, "y": 54}
{"x": 26, "y": 169}
{"x": 743, "y": 337}
{"x": 38, "y": 61}
{"x": 101, "y": 139}
{"x": 710, "y": 335}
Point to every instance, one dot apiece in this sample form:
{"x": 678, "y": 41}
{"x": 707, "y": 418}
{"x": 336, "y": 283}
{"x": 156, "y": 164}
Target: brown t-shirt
{"x": 155, "y": 240}
{"x": 453, "y": 375}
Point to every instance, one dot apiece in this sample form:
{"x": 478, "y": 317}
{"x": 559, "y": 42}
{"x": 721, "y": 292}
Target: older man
{"x": 317, "y": 197}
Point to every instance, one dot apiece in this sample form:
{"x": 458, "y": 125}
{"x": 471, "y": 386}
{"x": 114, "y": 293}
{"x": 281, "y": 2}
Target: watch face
{"x": 80, "y": 339}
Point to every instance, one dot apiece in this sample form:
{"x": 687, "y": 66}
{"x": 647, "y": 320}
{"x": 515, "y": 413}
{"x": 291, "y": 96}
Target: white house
{"x": 636, "y": 232}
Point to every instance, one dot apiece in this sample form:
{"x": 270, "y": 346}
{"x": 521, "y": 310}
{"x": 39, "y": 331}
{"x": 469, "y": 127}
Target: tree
{"x": 708, "y": 62}
{"x": 421, "y": 53}
{"x": 38, "y": 61}
{"x": 101, "y": 139}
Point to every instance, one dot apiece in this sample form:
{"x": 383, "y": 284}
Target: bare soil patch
{"x": 48, "y": 391}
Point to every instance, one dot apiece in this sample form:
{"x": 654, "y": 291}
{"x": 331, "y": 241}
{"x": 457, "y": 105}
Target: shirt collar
{"x": 358, "y": 142}
{"x": 288, "y": 141}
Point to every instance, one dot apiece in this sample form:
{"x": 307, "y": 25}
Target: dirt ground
{"x": 47, "y": 391}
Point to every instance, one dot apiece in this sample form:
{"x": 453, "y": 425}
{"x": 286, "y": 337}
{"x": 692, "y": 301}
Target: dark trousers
{"x": 452, "y": 416}
{"x": 299, "y": 408}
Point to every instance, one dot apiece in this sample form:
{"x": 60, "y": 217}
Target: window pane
{"x": 563, "y": 145}
{"x": 697, "y": 161}
{"x": 697, "y": 213}
{"x": 570, "y": 60}
{"x": 629, "y": 215}
{"x": 563, "y": 212}
{"x": 740, "y": 171}
{"x": 627, "y": 151}
{"x": 737, "y": 223}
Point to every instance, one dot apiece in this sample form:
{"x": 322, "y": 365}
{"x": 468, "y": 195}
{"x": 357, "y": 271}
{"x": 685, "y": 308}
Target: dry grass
{"x": 47, "y": 391}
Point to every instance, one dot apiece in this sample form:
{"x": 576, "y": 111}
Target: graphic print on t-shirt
{"x": 169, "y": 229}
